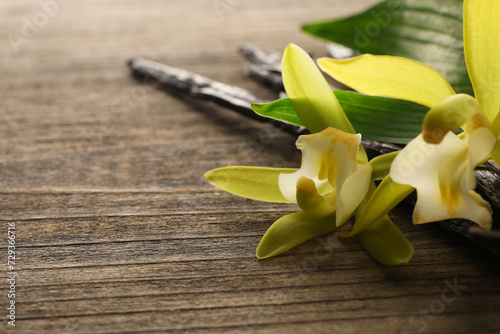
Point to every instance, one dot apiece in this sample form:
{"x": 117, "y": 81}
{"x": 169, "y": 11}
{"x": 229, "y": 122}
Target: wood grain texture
{"x": 117, "y": 230}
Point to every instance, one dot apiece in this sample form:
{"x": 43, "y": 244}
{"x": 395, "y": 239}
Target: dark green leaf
{"x": 376, "y": 118}
{"x": 428, "y": 31}
{"x": 282, "y": 110}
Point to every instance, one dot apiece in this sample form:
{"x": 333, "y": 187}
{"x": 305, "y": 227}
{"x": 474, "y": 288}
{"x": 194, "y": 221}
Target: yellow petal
{"x": 482, "y": 52}
{"x": 390, "y": 76}
{"x": 353, "y": 191}
{"x": 259, "y": 183}
{"x": 312, "y": 97}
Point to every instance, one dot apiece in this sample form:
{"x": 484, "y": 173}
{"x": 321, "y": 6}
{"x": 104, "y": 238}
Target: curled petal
{"x": 450, "y": 115}
{"x": 328, "y": 159}
{"x": 311, "y": 202}
{"x": 443, "y": 175}
{"x": 495, "y": 126}
{"x": 382, "y": 164}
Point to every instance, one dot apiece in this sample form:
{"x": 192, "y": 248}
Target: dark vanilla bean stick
{"x": 265, "y": 67}
{"x": 234, "y": 98}
{"x": 266, "y": 75}
{"x": 256, "y": 56}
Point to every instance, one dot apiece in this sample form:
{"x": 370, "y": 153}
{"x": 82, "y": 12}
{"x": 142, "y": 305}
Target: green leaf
{"x": 376, "y": 118}
{"x": 381, "y": 118}
{"x": 386, "y": 243}
{"x": 291, "y": 230}
{"x": 281, "y": 109}
{"x": 258, "y": 183}
{"x": 427, "y": 31}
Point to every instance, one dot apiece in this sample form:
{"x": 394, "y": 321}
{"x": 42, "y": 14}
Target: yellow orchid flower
{"x": 330, "y": 179}
{"x": 437, "y": 162}
{"x": 441, "y": 168}
{"x": 334, "y": 178}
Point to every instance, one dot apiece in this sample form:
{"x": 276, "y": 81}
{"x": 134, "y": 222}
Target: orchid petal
{"x": 311, "y": 202}
{"x": 444, "y": 177}
{"x": 482, "y": 48}
{"x": 310, "y": 94}
{"x": 450, "y": 115}
{"x": 328, "y": 159}
{"x": 291, "y": 230}
{"x": 390, "y": 76}
{"x": 385, "y": 197}
{"x": 352, "y": 193}
{"x": 258, "y": 183}
{"x": 481, "y": 142}
{"x": 386, "y": 243}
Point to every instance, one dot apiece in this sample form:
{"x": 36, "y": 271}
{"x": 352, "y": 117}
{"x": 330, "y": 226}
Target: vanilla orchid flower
{"x": 441, "y": 168}
{"x": 438, "y": 163}
{"x": 328, "y": 188}
{"x": 333, "y": 180}
{"x": 330, "y": 178}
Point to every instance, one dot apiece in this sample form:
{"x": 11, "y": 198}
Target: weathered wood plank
{"x": 117, "y": 230}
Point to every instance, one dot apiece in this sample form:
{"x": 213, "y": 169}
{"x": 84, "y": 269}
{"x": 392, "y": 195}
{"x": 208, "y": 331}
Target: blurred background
{"x": 64, "y": 62}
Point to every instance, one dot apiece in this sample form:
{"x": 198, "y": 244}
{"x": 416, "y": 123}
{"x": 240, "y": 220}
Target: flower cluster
{"x": 336, "y": 179}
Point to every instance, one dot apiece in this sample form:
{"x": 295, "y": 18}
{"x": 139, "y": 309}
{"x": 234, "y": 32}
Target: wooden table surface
{"x": 118, "y": 232}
